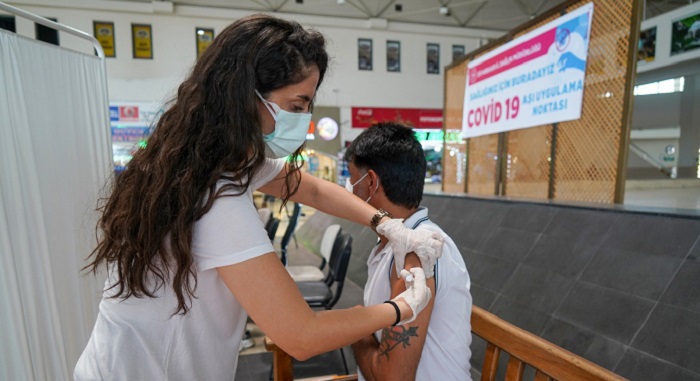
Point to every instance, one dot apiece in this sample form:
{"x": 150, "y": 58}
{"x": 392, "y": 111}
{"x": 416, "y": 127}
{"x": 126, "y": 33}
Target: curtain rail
{"x": 54, "y": 25}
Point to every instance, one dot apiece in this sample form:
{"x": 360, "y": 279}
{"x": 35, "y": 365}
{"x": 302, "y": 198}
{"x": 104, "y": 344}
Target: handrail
{"x": 649, "y": 159}
{"x": 52, "y": 24}
{"x": 550, "y": 360}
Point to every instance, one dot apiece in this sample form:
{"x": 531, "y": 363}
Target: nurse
{"x": 186, "y": 254}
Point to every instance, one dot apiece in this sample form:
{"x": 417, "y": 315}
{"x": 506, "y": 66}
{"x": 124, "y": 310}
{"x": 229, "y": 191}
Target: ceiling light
{"x": 444, "y": 11}
{"x": 341, "y": 2}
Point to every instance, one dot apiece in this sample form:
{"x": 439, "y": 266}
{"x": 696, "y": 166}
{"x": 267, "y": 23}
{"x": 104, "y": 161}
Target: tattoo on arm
{"x": 392, "y": 337}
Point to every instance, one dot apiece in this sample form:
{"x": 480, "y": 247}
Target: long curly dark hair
{"x": 210, "y": 131}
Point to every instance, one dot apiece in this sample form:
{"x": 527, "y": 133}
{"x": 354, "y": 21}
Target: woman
{"x": 187, "y": 255}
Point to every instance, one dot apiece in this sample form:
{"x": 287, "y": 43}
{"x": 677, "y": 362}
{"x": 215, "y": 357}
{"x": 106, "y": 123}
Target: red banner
{"x": 518, "y": 55}
{"x": 363, "y": 117}
{"x": 129, "y": 113}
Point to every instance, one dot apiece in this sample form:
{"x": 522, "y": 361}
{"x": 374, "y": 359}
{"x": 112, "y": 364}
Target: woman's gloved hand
{"x": 426, "y": 244}
{"x": 417, "y": 294}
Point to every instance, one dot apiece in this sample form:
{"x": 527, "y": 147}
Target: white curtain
{"x": 55, "y": 160}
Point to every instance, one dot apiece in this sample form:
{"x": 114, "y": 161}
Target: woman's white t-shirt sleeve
{"x": 269, "y": 170}
{"x": 231, "y": 231}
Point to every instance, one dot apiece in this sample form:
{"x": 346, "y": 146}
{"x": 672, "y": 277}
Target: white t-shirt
{"x": 138, "y": 339}
{"x": 446, "y": 352}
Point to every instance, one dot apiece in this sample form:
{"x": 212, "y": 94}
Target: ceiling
{"x": 497, "y": 15}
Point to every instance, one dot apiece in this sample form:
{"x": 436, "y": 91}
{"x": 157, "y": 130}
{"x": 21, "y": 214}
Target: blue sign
{"x": 113, "y": 113}
{"x": 129, "y": 134}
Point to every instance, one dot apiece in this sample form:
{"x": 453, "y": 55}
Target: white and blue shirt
{"x": 446, "y": 352}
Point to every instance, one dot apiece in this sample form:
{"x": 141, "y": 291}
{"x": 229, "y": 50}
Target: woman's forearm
{"x": 265, "y": 289}
{"x": 333, "y": 199}
{"x": 325, "y": 196}
{"x": 334, "y": 329}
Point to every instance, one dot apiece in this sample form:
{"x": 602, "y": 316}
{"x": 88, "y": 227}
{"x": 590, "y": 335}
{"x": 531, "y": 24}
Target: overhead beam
{"x": 265, "y": 5}
{"x": 360, "y": 6}
{"x": 523, "y": 7}
{"x": 381, "y": 12}
{"x": 470, "y": 18}
{"x": 539, "y": 7}
{"x": 281, "y": 5}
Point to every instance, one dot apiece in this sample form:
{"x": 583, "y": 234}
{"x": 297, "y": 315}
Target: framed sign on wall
{"x": 204, "y": 37}
{"x": 393, "y": 56}
{"x": 364, "y": 54}
{"x": 432, "y": 55}
{"x": 685, "y": 34}
{"x": 104, "y": 33}
{"x": 142, "y": 41}
{"x": 457, "y": 52}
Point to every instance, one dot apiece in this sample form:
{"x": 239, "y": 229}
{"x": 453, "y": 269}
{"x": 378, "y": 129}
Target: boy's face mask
{"x": 350, "y": 187}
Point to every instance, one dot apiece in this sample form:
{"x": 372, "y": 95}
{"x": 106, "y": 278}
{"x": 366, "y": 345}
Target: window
{"x": 47, "y": 34}
{"x": 7, "y": 23}
{"x": 673, "y": 85}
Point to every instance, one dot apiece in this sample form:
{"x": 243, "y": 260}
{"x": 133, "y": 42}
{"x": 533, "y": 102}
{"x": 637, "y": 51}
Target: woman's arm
{"x": 325, "y": 196}
{"x": 333, "y": 199}
{"x": 264, "y": 288}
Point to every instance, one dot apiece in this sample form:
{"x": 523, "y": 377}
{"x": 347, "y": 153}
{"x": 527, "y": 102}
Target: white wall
{"x": 174, "y": 52}
{"x": 656, "y": 111}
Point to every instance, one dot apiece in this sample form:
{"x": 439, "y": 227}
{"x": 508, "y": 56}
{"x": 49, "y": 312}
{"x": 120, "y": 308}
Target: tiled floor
{"x": 676, "y": 194}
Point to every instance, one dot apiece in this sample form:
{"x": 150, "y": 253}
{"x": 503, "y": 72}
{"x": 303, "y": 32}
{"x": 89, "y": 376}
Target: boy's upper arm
{"x": 400, "y": 347}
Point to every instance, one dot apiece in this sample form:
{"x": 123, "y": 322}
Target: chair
{"x": 309, "y": 273}
{"x": 289, "y": 232}
{"x": 322, "y": 293}
{"x": 265, "y": 215}
{"x": 271, "y": 227}
{"x": 282, "y": 366}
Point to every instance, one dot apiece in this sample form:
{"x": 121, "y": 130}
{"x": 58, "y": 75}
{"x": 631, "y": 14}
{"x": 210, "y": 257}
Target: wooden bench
{"x": 525, "y": 349}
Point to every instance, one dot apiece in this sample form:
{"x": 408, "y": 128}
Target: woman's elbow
{"x": 300, "y": 352}
{"x": 300, "y": 347}
{"x": 302, "y": 342}
{"x": 303, "y": 356}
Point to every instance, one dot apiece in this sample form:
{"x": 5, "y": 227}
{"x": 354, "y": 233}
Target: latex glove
{"x": 417, "y": 294}
{"x": 426, "y": 244}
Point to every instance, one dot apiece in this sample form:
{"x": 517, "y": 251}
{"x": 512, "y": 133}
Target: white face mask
{"x": 290, "y": 130}
{"x": 350, "y": 187}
